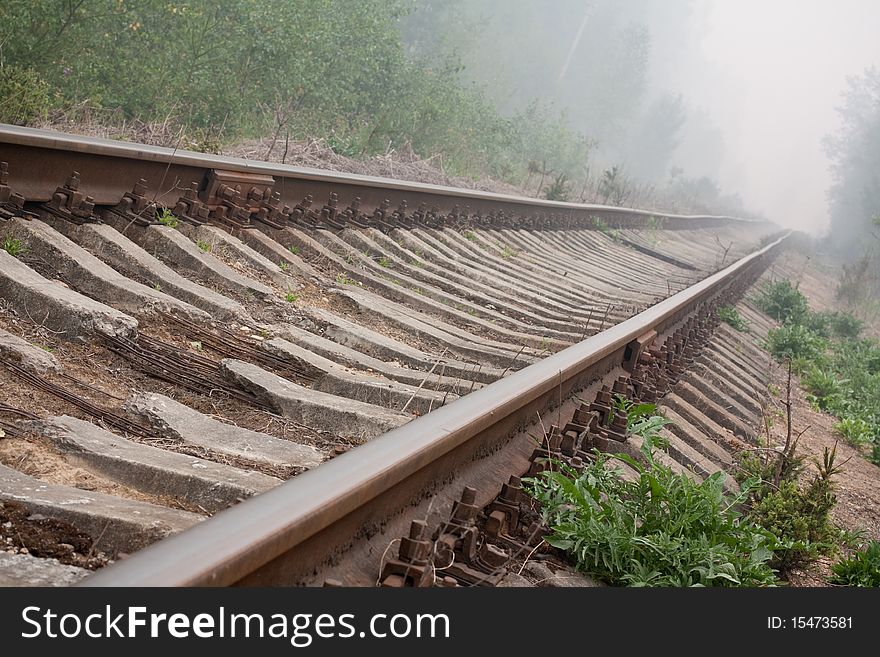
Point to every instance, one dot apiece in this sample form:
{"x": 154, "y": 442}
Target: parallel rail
{"x": 299, "y": 531}
{"x": 108, "y": 169}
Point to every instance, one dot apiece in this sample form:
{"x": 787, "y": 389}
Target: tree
{"x": 854, "y": 198}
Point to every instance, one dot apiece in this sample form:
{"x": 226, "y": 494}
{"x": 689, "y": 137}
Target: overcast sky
{"x": 771, "y": 75}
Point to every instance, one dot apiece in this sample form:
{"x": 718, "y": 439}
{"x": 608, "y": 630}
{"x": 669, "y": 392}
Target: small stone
{"x": 24, "y": 550}
{"x": 67, "y": 547}
{"x": 7, "y": 524}
{"x": 36, "y": 516}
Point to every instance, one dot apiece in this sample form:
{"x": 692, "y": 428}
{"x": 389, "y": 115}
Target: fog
{"x": 742, "y": 92}
{"x": 770, "y": 74}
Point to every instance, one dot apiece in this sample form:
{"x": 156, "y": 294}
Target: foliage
{"x": 12, "y": 246}
{"x": 203, "y": 245}
{"x": 24, "y": 96}
{"x": 599, "y": 224}
{"x": 853, "y": 149}
{"x": 730, "y": 315}
{"x": 642, "y": 419}
{"x": 840, "y": 371}
{"x": 795, "y": 341}
{"x": 782, "y": 301}
{"x": 859, "y": 569}
{"x": 799, "y": 516}
{"x": 855, "y": 430}
{"x": 558, "y": 189}
{"x": 166, "y": 218}
{"x": 290, "y": 297}
{"x": 663, "y": 529}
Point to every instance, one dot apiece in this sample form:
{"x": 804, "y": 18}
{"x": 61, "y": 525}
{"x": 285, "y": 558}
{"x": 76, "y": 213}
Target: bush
{"x": 25, "y": 98}
{"x": 795, "y": 341}
{"x": 860, "y": 569}
{"x": 799, "y": 516}
{"x": 845, "y": 325}
{"x": 663, "y": 529}
{"x": 730, "y": 315}
{"x": 782, "y": 301}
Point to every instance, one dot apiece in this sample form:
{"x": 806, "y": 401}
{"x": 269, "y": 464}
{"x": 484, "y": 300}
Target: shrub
{"x": 663, "y": 529}
{"x": 799, "y": 516}
{"x": 782, "y": 301}
{"x": 25, "y": 97}
{"x": 860, "y": 569}
{"x": 795, "y": 341}
{"x": 845, "y": 325}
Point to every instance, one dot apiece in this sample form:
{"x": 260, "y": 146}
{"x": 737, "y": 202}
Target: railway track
{"x": 182, "y": 333}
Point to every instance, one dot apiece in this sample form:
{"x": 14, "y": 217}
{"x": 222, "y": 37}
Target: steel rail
{"x": 168, "y": 171}
{"x": 281, "y": 536}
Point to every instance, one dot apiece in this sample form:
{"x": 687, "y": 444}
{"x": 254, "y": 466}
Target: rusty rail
{"x": 240, "y": 193}
{"x": 292, "y": 533}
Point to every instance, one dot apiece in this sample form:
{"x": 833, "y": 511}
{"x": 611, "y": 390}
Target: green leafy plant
{"x": 343, "y": 279}
{"x": 799, "y": 516}
{"x": 782, "y": 301}
{"x": 166, "y": 218}
{"x": 203, "y": 245}
{"x": 792, "y": 341}
{"x": 730, "y": 315}
{"x": 855, "y": 430}
{"x": 13, "y": 246}
{"x": 823, "y": 386}
{"x": 291, "y": 297}
{"x": 294, "y": 250}
{"x": 284, "y": 265}
{"x": 470, "y": 235}
{"x": 384, "y": 261}
{"x": 862, "y": 568}
{"x": 662, "y": 529}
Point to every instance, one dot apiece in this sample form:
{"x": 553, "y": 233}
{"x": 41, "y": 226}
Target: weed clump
{"x": 167, "y": 218}
{"x": 12, "y": 246}
{"x": 860, "y": 569}
{"x": 663, "y": 529}
{"x": 730, "y": 315}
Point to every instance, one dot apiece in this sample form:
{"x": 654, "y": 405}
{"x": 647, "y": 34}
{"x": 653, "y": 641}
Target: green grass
{"x": 291, "y": 297}
{"x": 343, "y": 279}
{"x": 295, "y": 250}
{"x": 166, "y": 218}
{"x": 384, "y": 262}
{"x": 13, "y": 246}
{"x": 283, "y": 265}
{"x": 204, "y": 246}
{"x": 470, "y": 235}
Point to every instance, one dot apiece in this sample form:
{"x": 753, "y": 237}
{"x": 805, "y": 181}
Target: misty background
{"x": 743, "y": 92}
{"x": 743, "y": 107}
